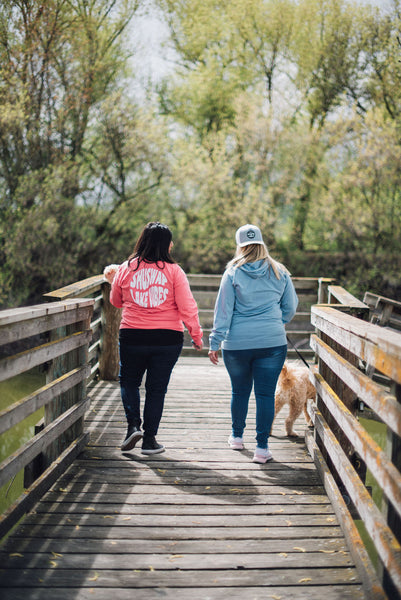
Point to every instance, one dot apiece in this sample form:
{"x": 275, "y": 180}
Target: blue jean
{"x": 158, "y": 362}
{"x": 258, "y": 367}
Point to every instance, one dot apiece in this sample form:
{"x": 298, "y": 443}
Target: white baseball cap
{"x": 248, "y": 234}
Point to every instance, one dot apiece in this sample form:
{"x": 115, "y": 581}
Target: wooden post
{"x": 109, "y": 356}
{"x": 322, "y": 292}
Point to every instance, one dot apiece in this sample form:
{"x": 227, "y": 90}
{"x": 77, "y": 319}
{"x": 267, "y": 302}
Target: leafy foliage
{"x": 285, "y": 113}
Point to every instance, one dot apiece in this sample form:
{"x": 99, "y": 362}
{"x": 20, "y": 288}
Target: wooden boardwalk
{"x": 199, "y": 521}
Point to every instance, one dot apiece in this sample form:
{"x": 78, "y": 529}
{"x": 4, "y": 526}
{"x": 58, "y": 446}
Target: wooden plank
{"x": 381, "y": 467}
{"x": 372, "y": 394}
{"x": 26, "y": 406}
{"x": 26, "y": 313}
{"x": 24, "y": 361}
{"x": 386, "y": 544}
{"x": 335, "y": 592}
{"x": 371, "y": 583}
{"x": 378, "y": 347}
{"x": 198, "y": 521}
{"x": 79, "y": 289}
{"x": 33, "y": 327}
{"x": 153, "y": 578}
{"x": 26, "y": 453}
{"x": 344, "y": 297}
{"x": 30, "y": 496}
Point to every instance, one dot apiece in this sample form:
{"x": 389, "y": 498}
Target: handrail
{"x": 342, "y": 342}
{"x": 63, "y": 352}
{"x": 103, "y": 353}
{"x": 106, "y": 318}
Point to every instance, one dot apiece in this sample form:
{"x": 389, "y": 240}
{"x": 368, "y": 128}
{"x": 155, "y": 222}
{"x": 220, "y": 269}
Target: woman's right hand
{"x": 198, "y": 346}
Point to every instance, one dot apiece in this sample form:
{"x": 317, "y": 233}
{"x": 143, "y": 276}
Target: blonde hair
{"x": 252, "y": 253}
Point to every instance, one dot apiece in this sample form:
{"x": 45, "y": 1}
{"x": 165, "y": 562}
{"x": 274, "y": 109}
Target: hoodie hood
{"x": 255, "y": 269}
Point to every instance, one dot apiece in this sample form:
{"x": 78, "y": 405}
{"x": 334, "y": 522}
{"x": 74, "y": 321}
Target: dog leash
{"x": 299, "y": 354}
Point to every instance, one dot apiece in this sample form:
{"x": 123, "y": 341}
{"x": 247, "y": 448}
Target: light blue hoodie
{"x": 251, "y": 308}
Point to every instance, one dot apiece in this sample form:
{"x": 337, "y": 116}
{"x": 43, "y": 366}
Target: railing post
{"x": 109, "y": 355}
{"x": 322, "y": 292}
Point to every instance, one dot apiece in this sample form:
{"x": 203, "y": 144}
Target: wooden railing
{"x": 80, "y": 329}
{"x": 348, "y": 349}
{"x": 56, "y": 338}
{"x": 103, "y": 352}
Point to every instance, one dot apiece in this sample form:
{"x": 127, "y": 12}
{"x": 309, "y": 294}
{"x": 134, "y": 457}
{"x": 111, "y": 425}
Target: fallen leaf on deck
{"x": 89, "y": 508}
{"x": 127, "y": 519}
{"x": 289, "y": 523}
{"x": 174, "y": 556}
{"x": 330, "y": 519}
{"x": 283, "y": 554}
{"x": 162, "y": 471}
{"x": 305, "y": 580}
{"x": 299, "y": 548}
{"x": 56, "y": 554}
{"x": 16, "y": 555}
{"x": 77, "y": 527}
{"x": 151, "y": 568}
{"x": 327, "y": 551}
{"x": 276, "y": 597}
{"x": 63, "y": 490}
{"x": 53, "y": 563}
{"x": 94, "y": 578}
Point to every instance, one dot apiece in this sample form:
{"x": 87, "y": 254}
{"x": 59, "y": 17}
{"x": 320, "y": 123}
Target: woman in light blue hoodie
{"x": 256, "y": 298}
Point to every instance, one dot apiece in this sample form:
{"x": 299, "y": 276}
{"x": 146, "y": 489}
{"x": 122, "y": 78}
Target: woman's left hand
{"x": 214, "y": 356}
{"x": 109, "y": 272}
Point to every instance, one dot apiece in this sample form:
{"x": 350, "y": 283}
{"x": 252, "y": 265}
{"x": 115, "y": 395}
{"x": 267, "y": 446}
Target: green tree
{"x": 59, "y": 60}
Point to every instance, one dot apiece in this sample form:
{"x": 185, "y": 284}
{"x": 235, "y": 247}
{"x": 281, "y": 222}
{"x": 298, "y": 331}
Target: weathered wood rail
{"x": 65, "y": 327}
{"x": 104, "y": 352}
{"x": 79, "y": 346}
{"x": 342, "y": 343}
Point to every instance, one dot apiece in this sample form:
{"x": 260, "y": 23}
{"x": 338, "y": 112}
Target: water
{"x": 10, "y": 391}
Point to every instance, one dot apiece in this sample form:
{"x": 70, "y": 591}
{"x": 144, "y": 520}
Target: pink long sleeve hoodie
{"x": 155, "y": 298}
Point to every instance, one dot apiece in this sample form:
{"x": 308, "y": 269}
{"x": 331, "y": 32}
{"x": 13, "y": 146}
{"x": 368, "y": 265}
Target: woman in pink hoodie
{"x": 156, "y": 300}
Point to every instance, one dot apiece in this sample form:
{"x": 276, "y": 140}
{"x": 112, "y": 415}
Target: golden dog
{"x": 295, "y": 389}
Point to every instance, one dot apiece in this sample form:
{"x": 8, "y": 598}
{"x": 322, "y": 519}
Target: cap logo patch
{"x": 250, "y": 234}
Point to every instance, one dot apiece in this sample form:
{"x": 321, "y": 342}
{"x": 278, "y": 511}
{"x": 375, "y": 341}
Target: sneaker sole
{"x": 235, "y": 445}
{"x": 156, "y": 451}
{"x": 261, "y": 459}
{"x": 131, "y": 441}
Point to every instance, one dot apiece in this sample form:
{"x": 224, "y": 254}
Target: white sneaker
{"x": 236, "y": 443}
{"x": 262, "y": 455}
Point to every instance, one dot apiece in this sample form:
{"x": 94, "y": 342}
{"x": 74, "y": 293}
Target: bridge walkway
{"x": 199, "y": 521}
